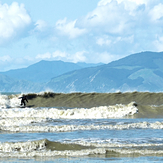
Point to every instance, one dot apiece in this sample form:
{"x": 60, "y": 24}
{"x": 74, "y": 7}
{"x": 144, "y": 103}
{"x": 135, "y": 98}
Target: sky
{"x": 90, "y": 31}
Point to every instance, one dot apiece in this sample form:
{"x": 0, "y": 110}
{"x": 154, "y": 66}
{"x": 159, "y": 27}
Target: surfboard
{"x": 22, "y": 106}
{"x": 19, "y": 106}
{"x": 27, "y": 106}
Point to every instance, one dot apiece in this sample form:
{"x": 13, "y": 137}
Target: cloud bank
{"x": 114, "y": 29}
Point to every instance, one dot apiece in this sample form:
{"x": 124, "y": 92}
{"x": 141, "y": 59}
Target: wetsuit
{"x": 24, "y": 98}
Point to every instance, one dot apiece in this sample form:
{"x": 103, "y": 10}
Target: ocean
{"x": 82, "y": 127}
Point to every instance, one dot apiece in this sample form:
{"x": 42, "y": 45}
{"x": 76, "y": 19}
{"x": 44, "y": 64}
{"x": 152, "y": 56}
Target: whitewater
{"x": 120, "y": 132}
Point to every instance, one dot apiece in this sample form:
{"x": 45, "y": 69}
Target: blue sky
{"x": 89, "y": 31}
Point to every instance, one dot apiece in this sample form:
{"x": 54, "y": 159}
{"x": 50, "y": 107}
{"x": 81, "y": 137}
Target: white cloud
{"x": 65, "y": 56}
{"x": 156, "y": 13}
{"x": 41, "y": 25}
{"x": 114, "y": 29}
{"x": 126, "y": 2}
{"x": 127, "y": 25}
{"x": 59, "y": 54}
{"x": 158, "y": 43}
{"x": 79, "y": 57}
{"x": 43, "y": 31}
{"x": 69, "y": 29}
{"x": 13, "y": 20}
{"x": 121, "y": 17}
{"x": 111, "y": 18}
{"x": 7, "y": 62}
{"x": 55, "y": 55}
{"x": 105, "y": 57}
{"x": 103, "y": 41}
{"x": 44, "y": 56}
{"x": 5, "y": 58}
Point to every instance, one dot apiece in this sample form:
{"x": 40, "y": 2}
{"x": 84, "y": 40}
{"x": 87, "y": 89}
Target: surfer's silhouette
{"x": 23, "y": 99}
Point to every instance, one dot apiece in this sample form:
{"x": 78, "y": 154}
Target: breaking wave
{"x": 46, "y": 148}
{"x": 8, "y": 101}
{"x": 115, "y": 111}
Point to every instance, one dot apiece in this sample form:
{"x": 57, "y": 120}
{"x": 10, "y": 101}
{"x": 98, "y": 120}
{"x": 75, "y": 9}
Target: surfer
{"x": 23, "y": 99}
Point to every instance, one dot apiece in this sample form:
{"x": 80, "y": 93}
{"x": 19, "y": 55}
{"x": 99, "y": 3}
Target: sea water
{"x": 97, "y": 134}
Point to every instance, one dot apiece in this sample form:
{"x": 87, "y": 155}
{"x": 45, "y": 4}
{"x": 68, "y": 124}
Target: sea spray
{"x": 9, "y": 101}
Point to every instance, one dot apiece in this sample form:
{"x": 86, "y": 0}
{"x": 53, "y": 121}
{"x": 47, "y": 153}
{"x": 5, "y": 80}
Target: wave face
{"x": 86, "y": 105}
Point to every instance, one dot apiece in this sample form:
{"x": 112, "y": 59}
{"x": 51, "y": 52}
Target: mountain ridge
{"x": 43, "y": 71}
{"x": 137, "y": 72}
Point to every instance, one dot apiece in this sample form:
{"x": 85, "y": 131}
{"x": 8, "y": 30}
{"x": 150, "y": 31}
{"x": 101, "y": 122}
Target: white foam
{"x": 64, "y": 128}
{"x": 23, "y": 146}
{"x": 49, "y": 153}
{"x": 86, "y": 152}
{"x": 20, "y": 121}
{"x": 100, "y": 112}
{"x": 136, "y": 151}
{"x": 9, "y": 101}
{"x": 38, "y": 148}
{"x": 111, "y": 144}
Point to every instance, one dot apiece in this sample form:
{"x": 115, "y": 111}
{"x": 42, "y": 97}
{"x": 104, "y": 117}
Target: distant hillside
{"x": 5, "y": 82}
{"x": 8, "y": 84}
{"x": 85, "y": 65}
{"x": 143, "y": 59}
{"x": 43, "y": 71}
{"x": 137, "y": 72}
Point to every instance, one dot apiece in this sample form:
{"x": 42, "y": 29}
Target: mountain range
{"x": 137, "y": 72}
{"x": 43, "y": 71}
